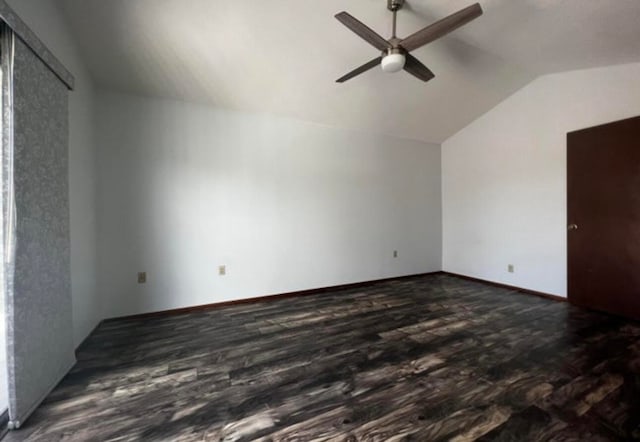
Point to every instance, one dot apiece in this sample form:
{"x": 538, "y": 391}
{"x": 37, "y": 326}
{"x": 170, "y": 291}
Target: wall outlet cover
{"x": 510, "y": 268}
{"x": 142, "y": 277}
{"x": 222, "y": 270}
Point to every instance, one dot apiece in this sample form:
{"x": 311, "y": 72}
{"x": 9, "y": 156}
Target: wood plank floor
{"x": 421, "y": 359}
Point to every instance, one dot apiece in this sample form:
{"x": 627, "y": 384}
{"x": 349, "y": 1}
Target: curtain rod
{"x": 20, "y": 28}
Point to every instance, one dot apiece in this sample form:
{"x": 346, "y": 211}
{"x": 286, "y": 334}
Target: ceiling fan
{"x": 395, "y": 51}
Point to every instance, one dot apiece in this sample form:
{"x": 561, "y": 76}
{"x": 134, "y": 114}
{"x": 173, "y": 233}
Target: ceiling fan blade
{"x": 413, "y": 66}
{"x": 366, "y": 33}
{"x": 442, "y": 27}
{"x": 365, "y": 67}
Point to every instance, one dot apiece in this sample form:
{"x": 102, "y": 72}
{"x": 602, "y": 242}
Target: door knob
{"x": 572, "y": 227}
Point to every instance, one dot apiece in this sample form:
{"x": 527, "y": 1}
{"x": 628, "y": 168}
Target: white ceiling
{"x": 283, "y": 56}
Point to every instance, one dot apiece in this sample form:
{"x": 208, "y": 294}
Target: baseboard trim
{"x": 266, "y": 298}
{"x": 510, "y": 287}
{"x": 87, "y": 337}
{"x": 4, "y": 424}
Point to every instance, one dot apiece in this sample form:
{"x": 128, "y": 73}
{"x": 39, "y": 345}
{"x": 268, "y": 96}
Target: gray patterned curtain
{"x": 35, "y": 203}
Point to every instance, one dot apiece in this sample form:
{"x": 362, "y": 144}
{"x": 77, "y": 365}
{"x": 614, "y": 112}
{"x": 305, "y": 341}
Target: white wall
{"x": 504, "y": 176}
{"x": 46, "y": 21}
{"x": 285, "y": 205}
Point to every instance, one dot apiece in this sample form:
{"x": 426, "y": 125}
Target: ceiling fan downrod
{"x": 394, "y": 6}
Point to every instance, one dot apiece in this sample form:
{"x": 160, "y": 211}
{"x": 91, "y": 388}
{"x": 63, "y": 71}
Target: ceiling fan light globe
{"x": 393, "y": 62}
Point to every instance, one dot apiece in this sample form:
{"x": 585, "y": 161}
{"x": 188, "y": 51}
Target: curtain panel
{"x": 36, "y": 238}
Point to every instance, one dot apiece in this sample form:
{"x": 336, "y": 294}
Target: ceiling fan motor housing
{"x": 394, "y": 5}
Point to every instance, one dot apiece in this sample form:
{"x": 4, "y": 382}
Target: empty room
{"x": 302, "y": 220}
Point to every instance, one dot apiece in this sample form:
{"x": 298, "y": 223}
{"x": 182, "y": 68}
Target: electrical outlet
{"x": 142, "y": 277}
{"x": 395, "y": 253}
{"x": 222, "y": 270}
{"x": 510, "y": 268}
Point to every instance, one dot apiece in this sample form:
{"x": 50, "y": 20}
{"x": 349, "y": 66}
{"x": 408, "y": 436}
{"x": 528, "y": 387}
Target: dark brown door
{"x": 603, "y": 197}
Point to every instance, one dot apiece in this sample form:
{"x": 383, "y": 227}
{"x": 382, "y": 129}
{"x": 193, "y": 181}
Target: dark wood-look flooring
{"x": 423, "y": 359}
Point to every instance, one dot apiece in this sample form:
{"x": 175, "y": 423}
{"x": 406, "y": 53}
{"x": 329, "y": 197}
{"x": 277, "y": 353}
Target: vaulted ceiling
{"x": 283, "y": 56}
